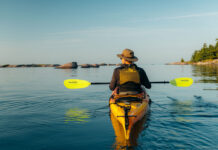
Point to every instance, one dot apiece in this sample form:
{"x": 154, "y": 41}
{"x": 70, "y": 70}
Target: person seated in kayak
{"x": 129, "y": 77}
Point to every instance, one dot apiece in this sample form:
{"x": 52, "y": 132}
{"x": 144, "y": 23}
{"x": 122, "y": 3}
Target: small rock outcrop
{"x": 204, "y": 62}
{"x": 177, "y": 63}
{"x": 55, "y": 65}
{"x": 4, "y": 66}
{"x": 22, "y": 65}
{"x": 85, "y": 66}
{"x": 94, "y": 65}
{"x": 103, "y": 64}
{"x": 111, "y": 64}
{"x": 71, "y": 65}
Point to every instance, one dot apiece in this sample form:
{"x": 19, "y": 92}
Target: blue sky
{"x": 94, "y": 31}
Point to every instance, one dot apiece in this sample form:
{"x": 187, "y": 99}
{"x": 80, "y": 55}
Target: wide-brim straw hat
{"x": 128, "y": 55}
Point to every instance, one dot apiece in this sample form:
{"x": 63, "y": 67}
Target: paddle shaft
{"x": 155, "y": 82}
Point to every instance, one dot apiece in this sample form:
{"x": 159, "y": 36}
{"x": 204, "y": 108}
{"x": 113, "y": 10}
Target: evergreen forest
{"x": 206, "y": 53}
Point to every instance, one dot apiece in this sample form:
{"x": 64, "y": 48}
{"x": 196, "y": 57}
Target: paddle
{"x": 77, "y": 83}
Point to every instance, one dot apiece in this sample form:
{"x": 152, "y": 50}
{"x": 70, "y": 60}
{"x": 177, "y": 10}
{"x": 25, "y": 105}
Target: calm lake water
{"x": 38, "y": 113}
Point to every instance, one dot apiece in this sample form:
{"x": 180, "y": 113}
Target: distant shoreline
{"x": 28, "y": 65}
{"x": 68, "y": 65}
{"x": 205, "y": 62}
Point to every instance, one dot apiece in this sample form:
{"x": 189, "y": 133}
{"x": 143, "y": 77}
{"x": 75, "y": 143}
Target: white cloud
{"x": 192, "y": 16}
{"x": 184, "y": 16}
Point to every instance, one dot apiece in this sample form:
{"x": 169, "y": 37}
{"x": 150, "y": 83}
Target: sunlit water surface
{"x": 38, "y": 113}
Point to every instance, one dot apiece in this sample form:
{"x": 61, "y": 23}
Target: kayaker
{"x": 129, "y": 77}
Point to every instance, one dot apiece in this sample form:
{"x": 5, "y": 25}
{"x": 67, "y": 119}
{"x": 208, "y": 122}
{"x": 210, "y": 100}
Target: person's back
{"x": 129, "y": 77}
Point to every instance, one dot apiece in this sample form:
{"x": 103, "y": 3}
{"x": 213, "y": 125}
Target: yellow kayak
{"x": 128, "y": 109}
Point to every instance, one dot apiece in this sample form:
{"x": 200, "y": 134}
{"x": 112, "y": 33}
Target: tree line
{"x": 206, "y": 52}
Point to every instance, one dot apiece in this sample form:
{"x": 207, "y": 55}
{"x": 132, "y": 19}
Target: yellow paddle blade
{"x": 182, "y": 82}
{"x": 76, "y": 83}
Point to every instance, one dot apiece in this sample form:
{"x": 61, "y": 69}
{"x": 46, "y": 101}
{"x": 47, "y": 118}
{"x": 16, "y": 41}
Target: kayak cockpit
{"x": 128, "y": 99}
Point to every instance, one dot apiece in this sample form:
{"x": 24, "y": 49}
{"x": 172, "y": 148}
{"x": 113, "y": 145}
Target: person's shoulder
{"x": 118, "y": 68}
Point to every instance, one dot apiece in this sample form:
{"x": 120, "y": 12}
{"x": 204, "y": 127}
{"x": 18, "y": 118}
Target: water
{"x": 37, "y": 112}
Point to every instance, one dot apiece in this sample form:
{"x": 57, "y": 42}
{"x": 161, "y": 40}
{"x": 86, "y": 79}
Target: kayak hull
{"x": 129, "y": 109}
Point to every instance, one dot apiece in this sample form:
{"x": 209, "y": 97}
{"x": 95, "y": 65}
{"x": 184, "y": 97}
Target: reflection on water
{"x": 76, "y": 115}
{"x": 180, "y": 109}
{"x": 207, "y": 73}
{"x": 186, "y": 110}
{"x": 120, "y": 140}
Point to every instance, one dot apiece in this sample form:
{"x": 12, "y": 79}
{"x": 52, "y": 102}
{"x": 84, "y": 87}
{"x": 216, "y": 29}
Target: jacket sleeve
{"x": 114, "y": 80}
{"x": 144, "y": 79}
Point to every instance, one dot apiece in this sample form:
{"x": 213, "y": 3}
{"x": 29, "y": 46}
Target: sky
{"x": 95, "y": 31}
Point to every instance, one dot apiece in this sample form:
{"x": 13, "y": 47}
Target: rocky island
{"x": 70, "y": 65}
{"x": 28, "y": 65}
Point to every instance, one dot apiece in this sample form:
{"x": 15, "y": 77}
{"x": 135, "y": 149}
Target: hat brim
{"x": 133, "y": 59}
